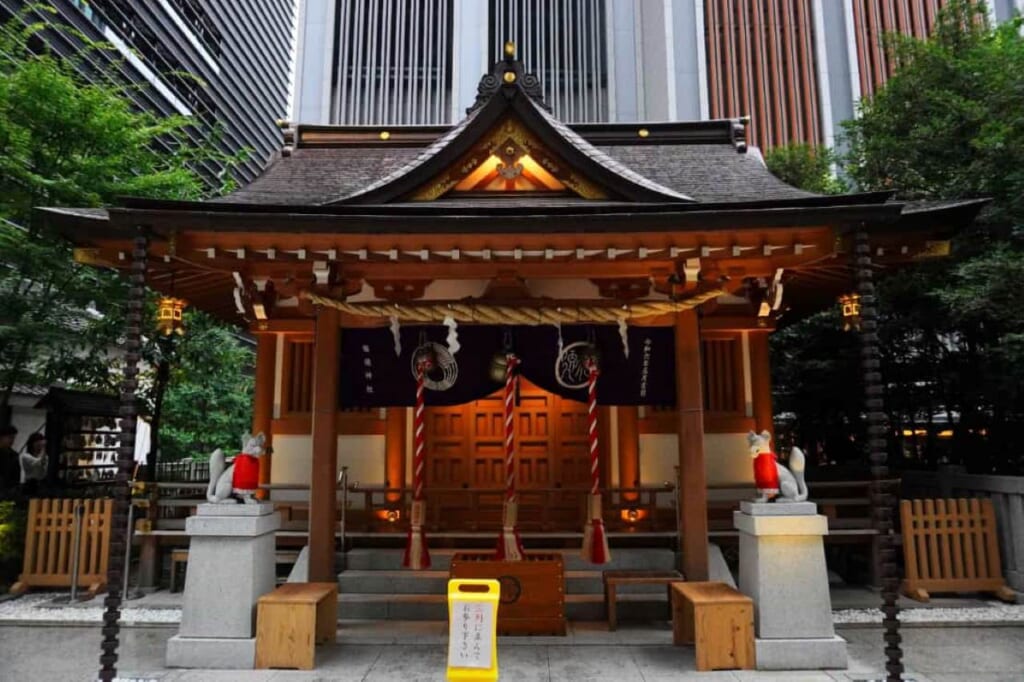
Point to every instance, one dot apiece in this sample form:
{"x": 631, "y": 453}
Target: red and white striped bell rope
{"x": 510, "y": 546}
{"x": 416, "y": 554}
{"x": 595, "y": 540}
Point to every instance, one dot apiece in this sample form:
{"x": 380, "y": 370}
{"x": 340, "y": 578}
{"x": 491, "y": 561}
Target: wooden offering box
{"x": 532, "y": 590}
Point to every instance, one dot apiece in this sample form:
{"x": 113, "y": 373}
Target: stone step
{"x": 622, "y": 559}
{"x": 393, "y": 582}
{"x": 584, "y": 607}
{"x": 436, "y": 582}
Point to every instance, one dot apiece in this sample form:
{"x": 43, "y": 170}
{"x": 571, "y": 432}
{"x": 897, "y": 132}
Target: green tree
{"x": 68, "y": 142}
{"x": 949, "y": 125}
{"x": 806, "y": 167}
{"x": 200, "y": 416}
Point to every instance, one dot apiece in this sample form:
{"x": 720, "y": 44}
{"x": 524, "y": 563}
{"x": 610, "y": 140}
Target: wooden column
{"x": 322, "y": 496}
{"x": 761, "y": 382}
{"x": 394, "y": 450}
{"x": 629, "y": 449}
{"x": 263, "y": 401}
{"x": 693, "y": 507}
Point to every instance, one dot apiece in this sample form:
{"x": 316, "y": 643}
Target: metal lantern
{"x": 590, "y": 354}
{"x": 425, "y": 356}
{"x": 168, "y": 316}
{"x": 499, "y": 363}
{"x": 850, "y": 304}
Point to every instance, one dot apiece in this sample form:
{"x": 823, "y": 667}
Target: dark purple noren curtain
{"x": 373, "y": 376}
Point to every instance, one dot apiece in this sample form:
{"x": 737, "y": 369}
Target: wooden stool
{"x": 718, "y": 620}
{"x": 178, "y": 556}
{"x": 290, "y": 619}
{"x": 612, "y": 580}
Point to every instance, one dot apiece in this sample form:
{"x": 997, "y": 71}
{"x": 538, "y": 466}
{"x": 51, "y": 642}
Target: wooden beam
{"x": 394, "y": 450}
{"x": 263, "y": 401}
{"x": 286, "y": 326}
{"x": 761, "y": 383}
{"x": 693, "y": 507}
{"x": 322, "y": 499}
{"x": 629, "y": 449}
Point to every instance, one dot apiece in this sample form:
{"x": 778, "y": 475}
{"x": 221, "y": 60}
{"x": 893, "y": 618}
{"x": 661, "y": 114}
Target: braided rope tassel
{"x": 417, "y": 557}
{"x": 595, "y": 540}
{"x": 510, "y": 546}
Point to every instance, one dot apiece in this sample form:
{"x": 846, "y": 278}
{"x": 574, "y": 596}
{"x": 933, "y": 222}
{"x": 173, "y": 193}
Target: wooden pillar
{"x": 761, "y": 382}
{"x": 322, "y": 496}
{"x": 263, "y": 401}
{"x": 394, "y": 450}
{"x": 693, "y": 507}
{"x": 629, "y": 449}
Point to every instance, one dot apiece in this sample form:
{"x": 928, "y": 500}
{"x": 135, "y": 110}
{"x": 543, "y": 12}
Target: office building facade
{"x": 796, "y": 67}
{"x": 228, "y": 64}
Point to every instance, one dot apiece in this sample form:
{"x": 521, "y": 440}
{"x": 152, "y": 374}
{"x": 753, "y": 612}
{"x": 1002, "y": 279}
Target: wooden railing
{"x": 1007, "y": 495}
{"x": 52, "y": 552}
{"x": 950, "y": 546}
{"x": 185, "y": 471}
{"x": 641, "y": 509}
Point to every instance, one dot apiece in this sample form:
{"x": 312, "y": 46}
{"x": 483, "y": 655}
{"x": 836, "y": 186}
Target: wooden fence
{"x": 1007, "y": 495}
{"x": 49, "y": 544}
{"x": 950, "y": 546}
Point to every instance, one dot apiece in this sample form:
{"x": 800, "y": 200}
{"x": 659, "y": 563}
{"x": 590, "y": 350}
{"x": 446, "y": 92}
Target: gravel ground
{"x": 40, "y": 607}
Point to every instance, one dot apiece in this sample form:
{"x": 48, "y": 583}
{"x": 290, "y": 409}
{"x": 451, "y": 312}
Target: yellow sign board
{"x": 472, "y": 630}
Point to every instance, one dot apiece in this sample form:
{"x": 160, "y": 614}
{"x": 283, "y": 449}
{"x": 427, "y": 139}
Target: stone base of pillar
{"x": 230, "y": 566}
{"x": 801, "y": 654}
{"x": 229, "y": 653}
{"x": 782, "y": 568}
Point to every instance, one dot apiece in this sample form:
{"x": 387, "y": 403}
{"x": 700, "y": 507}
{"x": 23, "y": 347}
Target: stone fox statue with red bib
{"x": 773, "y": 480}
{"x": 238, "y": 481}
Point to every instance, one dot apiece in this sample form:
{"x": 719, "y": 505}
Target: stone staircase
{"x": 374, "y": 586}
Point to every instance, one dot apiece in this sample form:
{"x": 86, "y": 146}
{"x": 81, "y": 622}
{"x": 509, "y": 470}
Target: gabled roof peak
{"x": 508, "y": 73}
{"x": 507, "y": 93}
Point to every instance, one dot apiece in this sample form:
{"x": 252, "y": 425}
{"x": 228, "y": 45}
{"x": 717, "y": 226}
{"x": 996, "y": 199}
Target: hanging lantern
{"x": 850, "y": 304}
{"x": 168, "y": 316}
{"x": 497, "y": 368}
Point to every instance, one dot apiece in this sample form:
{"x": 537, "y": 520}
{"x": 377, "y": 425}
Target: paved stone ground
{"x": 415, "y": 651}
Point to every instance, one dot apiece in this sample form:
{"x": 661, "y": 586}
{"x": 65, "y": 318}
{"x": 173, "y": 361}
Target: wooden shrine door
{"x": 465, "y": 456}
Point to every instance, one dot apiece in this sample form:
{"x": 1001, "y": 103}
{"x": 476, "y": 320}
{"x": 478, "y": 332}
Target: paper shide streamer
{"x": 396, "y": 332}
{"x": 453, "y": 334}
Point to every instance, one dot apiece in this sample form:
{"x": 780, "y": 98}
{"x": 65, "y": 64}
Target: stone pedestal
{"x": 230, "y": 565}
{"x": 782, "y": 568}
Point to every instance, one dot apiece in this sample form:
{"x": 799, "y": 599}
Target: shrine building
{"x": 665, "y": 249}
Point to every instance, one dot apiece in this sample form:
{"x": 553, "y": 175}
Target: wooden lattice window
{"x": 722, "y": 359}
{"x": 297, "y": 396}
{"x": 298, "y": 375}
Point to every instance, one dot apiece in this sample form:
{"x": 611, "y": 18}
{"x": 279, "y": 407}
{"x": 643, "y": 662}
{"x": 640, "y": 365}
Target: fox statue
{"x": 774, "y": 480}
{"x": 239, "y": 480}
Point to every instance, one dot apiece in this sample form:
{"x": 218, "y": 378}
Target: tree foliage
{"x": 65, "y": 141}
{"x": 949, "y": 124}
{"x": 806, "y": 167}
{"x": 202, "y": 415}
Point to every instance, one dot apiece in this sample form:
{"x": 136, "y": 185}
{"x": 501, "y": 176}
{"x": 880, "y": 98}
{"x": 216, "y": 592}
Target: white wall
{"x": 25, "y": 418}
{"x": 293, "y": 459}
{"x": 726, "y": 456}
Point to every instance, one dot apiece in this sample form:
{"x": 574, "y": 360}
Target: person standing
{"x": 10, "y": 469}
{"x": 33, "y": 463}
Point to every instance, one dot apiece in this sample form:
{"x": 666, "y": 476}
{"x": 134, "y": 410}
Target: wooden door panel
{"x": 465, "y": 448}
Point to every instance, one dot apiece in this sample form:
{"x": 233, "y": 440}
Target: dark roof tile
{"x": 707, "y": 172}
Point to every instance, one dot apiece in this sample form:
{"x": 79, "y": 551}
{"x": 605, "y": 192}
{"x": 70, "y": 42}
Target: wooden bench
{"x": 718, "y": 620}
{"x": 291, "y": 620}
{"x": 180, "y": 556}
{"x": 612, "y": 580}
